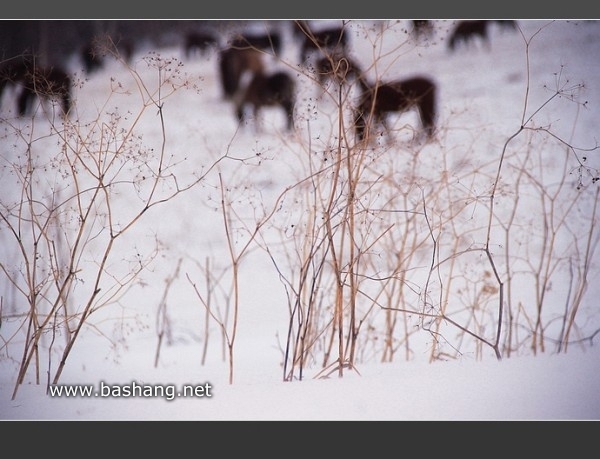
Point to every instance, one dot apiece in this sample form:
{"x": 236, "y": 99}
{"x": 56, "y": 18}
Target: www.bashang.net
{"x": 133, "y": 389}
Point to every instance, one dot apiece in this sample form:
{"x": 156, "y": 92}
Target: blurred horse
{"x": 199, "y": 42}
{"x": 269, "y": 90}
{"x": 332, "y": 40}
{"x": 467, "y": 31}
{"x": 93, "y": 54}
{"x": 33, "y": 81}
{"x": 234, "y": 64}
{"x": 377, "y": 101}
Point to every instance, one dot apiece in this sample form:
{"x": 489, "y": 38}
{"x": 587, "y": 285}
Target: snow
{"x": 273, "y": 186}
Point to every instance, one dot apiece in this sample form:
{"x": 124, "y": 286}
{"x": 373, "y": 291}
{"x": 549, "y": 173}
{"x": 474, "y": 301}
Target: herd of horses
{"x": 250, "y": 87}
{"x": 264, "y": 89}
{"x": 329, "y": 47}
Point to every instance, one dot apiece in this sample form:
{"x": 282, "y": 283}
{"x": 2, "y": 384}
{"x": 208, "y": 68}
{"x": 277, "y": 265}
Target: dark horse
{"x": 93, "y": 54}
{"x": 466, "y": 31}
{"x": 269, "y": 42}
{"x": 199, "y": 42}
{"x": 34, "y": 81}
{"x": 333, "y": 40}
{"x": 234, "y": 64}
{"x": 378, "y": 101}
{"x": 276, "y": 89}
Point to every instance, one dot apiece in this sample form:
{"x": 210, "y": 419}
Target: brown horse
{"x": 276, "y": 89}
{"x": 378, "y": 101}
{"x": 332, "y": 40}
{"x": 34, "y": 81}
{"x": 234, "y": 64}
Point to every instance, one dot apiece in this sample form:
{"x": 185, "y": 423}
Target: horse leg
{"x": 366, "y": 121}
{"x": 66, "y": 102}
{"x": 385, "y": 129}
{"x": 257, "y": 120}
{"x": 288, "y": 108}
{"x": 63, "y": 91}
{"x": 427, "y": 112}
{"x": 25, "y": 101}
{"x": 359, "y": 124}
{"x": 240, "y": 111}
